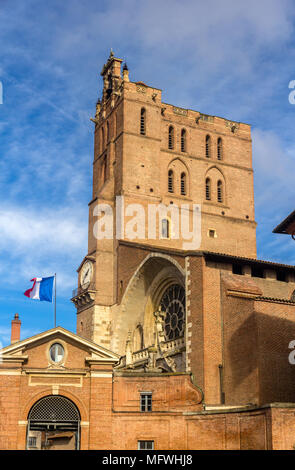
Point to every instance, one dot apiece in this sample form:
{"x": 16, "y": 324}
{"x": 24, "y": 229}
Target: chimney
{"x": 15, "y": 329}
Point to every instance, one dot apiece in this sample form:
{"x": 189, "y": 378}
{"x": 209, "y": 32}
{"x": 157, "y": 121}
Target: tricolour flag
{"x": 42, "y": 289}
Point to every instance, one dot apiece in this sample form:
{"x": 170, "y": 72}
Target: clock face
{"x": 86, "y": 274}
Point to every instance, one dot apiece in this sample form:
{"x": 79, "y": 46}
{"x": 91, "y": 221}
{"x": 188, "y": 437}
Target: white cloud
{"x": 42, "y": 243}
{"x": 274, "y": 166}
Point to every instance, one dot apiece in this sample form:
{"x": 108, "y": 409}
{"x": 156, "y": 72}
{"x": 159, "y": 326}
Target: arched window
{"x": 138, "y": 338}
{"x": 208, "y": 189}
{"x": 170, "y": 181}
{"x": 171, "y": 138}
{"x": 183, "y": 140}
{"x": 142, "y": 121}
{"x": 53, "y": 412}
{"x": 219, "y": 191}
{"x": 165, "y": 228}
{"x": 183, "y": 184}
{"x": 208, "y": 146}
{"x": 219, "y": 149}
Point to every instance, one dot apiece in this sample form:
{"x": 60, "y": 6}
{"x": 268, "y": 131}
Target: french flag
{"x": 42, "y": 289}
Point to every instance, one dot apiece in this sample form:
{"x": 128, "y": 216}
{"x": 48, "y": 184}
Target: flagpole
{"x": 55, "y": 300}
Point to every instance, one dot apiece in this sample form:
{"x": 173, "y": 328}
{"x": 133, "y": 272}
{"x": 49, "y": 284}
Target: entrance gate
{"x": 53, "y": 424}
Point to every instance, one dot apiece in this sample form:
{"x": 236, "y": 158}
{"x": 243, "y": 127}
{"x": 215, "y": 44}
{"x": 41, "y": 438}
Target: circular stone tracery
{"x": 173, "y": 304}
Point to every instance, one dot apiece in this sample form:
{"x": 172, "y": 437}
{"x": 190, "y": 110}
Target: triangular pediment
{"x": 95, "y": 351}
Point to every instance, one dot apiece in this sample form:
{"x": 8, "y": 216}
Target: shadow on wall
{"x": 257, "y": 368}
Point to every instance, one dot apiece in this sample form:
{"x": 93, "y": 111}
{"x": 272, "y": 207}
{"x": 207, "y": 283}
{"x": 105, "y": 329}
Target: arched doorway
{"x": 53, "y": 424}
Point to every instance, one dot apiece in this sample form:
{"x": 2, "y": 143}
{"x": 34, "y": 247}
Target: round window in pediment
{"x": 173, "y": 304}
{"x": 56, "y": 352}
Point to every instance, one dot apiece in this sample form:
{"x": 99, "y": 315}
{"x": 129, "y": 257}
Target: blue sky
{"x": 231, "y": 59}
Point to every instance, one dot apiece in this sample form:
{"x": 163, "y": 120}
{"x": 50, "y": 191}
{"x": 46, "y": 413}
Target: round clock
{"x": 86, "y": 274}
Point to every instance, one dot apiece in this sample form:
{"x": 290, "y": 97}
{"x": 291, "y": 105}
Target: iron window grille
{"x": 54, "y": 408}
{"x": 170, "y": 181}
{"x": 183, "y": 184}
{"x": 183, "y": 140}
{"x": 219, "y": 191}
{"x": 145, "y": 445}
{"x": 219, "y": 149}
{"x": 142, "y": 121}
{"x": 208, "y": 189}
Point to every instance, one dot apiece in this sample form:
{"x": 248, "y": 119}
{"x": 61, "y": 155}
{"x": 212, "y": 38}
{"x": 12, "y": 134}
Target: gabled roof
{"x": 95, "y": 349}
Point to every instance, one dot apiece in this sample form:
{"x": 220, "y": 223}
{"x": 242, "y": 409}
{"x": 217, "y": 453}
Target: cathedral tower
{"x": 148, "y": 153}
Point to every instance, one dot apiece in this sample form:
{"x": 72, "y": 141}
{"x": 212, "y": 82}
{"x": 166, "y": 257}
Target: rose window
{"x": 173, "y": 304}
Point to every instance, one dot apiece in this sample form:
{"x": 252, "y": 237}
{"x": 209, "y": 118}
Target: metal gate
{"x": 51, "y": 420}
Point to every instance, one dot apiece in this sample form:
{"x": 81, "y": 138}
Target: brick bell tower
{"x": 151, "y": 152}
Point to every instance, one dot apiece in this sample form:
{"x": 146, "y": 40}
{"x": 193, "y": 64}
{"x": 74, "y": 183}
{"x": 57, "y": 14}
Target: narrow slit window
{"x": 219, "y": 149}
{"x": 171, "y": 138}
{"x": 170, "y": 181}
{"x": 104, "y": 171}
{"x": 208, "y": 189}
{"x": 142, "y": 121}
{"x": 108, "y": 132}
{"x": 183, "y": 184}
{"x": 219, "y": 191}
{"x": 212, "y": 233}
{"x": 183, "y": 140}
{"x": 208, "y": 146}
{"x": 115, "y": 125}
{"x": 102, "y": 139}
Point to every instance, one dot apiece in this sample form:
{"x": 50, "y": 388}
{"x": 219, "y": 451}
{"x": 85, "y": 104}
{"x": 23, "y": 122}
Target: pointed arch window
{"x": 142, "y": 121}
{"x": 170, "y": 181}
{"x": 219, "y": 149}
{"x": 183, "y": 140}
{"x": 183, "y": 184}
{"x": 165, "y": 228}
{"x": 171, "y": 138}
{"x": 208, "y": 189}
{"x": 208, "y": 146}
{"x": 219, "y": 191}
{"x": 138, "y": 338}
